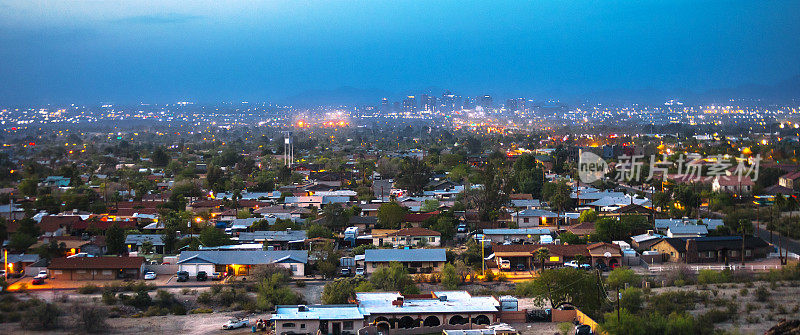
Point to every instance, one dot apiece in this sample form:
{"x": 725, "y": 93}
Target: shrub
{"x": 92, "y": 319}
{"x": 744, "y": 292}
{"x": 715, "y": 316}
{"x": 205, "y": 298}
{"x": 88, "y": 289}
{"x": 201, "y": 311}
{"x": 43, "y": 316}
{"x": 177, "y": 309}
{"x": 762, "y": 294}
{"x": 155, "y": 311}
{"x": 141, "y": 300}
{"x": 109, "y": 298}
{"x": 301, "y": 283}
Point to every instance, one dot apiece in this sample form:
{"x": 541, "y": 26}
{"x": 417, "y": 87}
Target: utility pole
{"x": 619, "y": 322}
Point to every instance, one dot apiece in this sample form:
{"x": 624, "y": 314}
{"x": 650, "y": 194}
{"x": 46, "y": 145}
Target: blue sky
{"x": 166, "y": 51}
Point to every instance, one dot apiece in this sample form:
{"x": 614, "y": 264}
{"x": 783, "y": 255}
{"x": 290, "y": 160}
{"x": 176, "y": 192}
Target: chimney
{"x": 691, "y": 251}
{"x": 398, "y": 302}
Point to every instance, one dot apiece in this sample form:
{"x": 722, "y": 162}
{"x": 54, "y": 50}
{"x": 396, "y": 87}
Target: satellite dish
{"x": 607, "y": 254}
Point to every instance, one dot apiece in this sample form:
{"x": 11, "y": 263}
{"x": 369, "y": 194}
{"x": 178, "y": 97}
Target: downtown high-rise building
{"x": 486, "y": 102}
{"x": 427, "y": 103}
{"x": 515, "y": 104}
{"x": 410, "y": 104}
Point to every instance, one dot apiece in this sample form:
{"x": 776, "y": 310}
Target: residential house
{"x": 733, "y": 184}
{"x": 96, "y": 268}
{"x": 18, "y": 262}
{"x": 515, "y": 235}
{"x": 12, "y": 212}
{"x": 718, "y": 249}
{"x": 239, "y": 262}
{"x": 427, "y": 313}
{"x": 534, "y": 218}
{"x": 790, "y": 181}
{"x": 605, "y": 253}
{"x": 415, "y": 260}
{"x": 134, "y": 242}
{"x": 409, "y": 237}
{"x": 317, "y": 319}
{"x": 275, "y": 240}
{"x": 687, "y": 231}
{"x": 390, "y": 312}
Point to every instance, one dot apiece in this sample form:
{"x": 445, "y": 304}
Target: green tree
{"x": 391, "y": 215}
{"x": 20, "y": 242}
{"x": 160, "y": 157}
{"x": 620, "y": 277}
{"x": 429, "y": 205}
{"x": 450, "y": 279}
{"x": 213, "y": 237}
{"x": 29, "y": 187}
{"x": 414, "y": 175}
{"x": 588, "y": 216}
{"x": 115, "y": 240}
{"x": 335, "y": 217}
{"x": 565, "y": 285}
{"x": 316, "y": 230}
{"x": 341, "y": 290}
{"x": 394, "y": 277}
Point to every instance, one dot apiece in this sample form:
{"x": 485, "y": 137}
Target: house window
{"x": 710, "y": 254}
{"x": 293, "y": 267}
{"x": 525, "y": 220}
{"x": 734, "y": 253}
{"x": 748, "y": 253}
{"x": 302, "y": 326}
{"x": 347, "y": 325}
{"x": 416, "y": 264}
{"x": 288, "y": 325}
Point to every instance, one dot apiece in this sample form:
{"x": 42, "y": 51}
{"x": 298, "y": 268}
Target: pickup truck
{"x": 574, "y": 264}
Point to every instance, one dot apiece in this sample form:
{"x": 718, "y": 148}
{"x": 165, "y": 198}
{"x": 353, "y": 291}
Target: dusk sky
{"x": 165, "y": 51}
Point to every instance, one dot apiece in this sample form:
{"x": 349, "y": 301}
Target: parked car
{"x": 149, "y": 275}
{"x": 462, "y": 228}
{"x": 216, "y": 276}
{"x": 602, "y": 267}
{"x": 574, "y": 264}
{"x": 236, "y": 323}
{"x": 38, "y": 281}
{"x": 202, "y": 276}
{"x": 345, "y": 272}
{"x": 359, "y": 271}
{"x": 183, "y": 276}
{"x": 583, "y": 330}
{"x": 505, "y": 264}
{"x": 42, "y": 274}
{"x": 520, "y": 267}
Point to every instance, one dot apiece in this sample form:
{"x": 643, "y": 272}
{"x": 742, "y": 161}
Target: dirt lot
{"x": 170, "y": 324}
{"x": 754, "y": 316}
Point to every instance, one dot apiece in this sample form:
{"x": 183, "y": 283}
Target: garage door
{"x": 193, "y": 269}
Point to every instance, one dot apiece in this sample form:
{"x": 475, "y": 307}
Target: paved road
{"x": 788, "y": 244}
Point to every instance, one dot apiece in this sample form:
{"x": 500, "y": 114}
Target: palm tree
{"x": 542, "y": 255}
